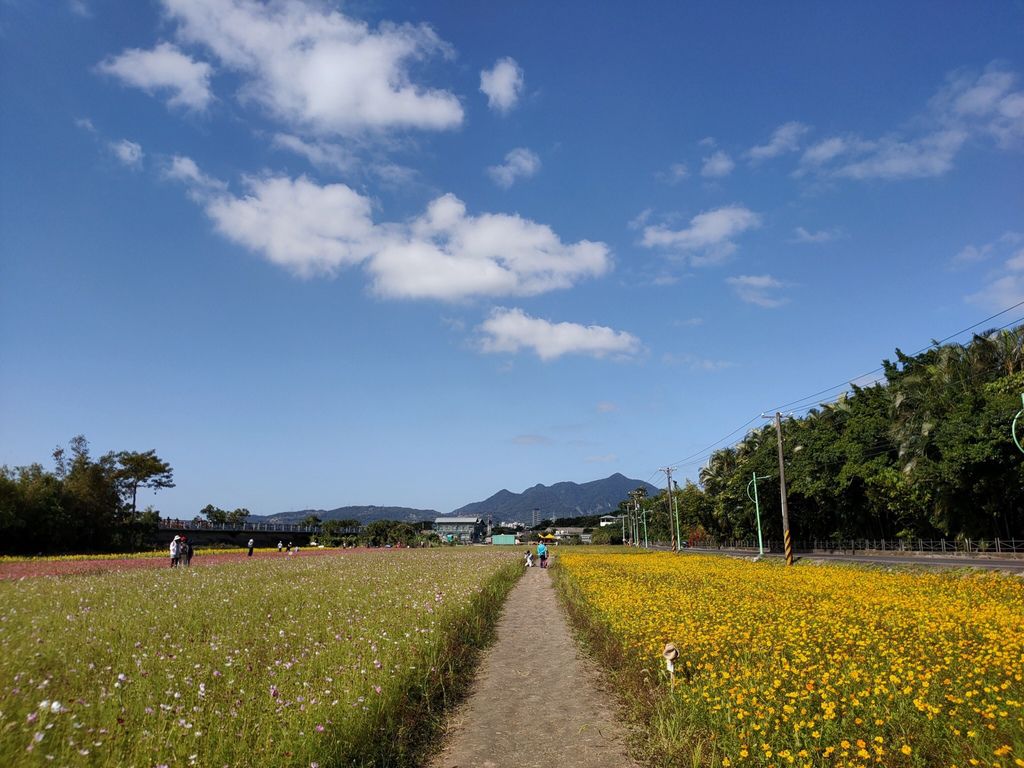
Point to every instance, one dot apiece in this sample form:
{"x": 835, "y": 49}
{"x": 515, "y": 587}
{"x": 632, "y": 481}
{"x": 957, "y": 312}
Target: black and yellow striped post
{"x": 782, "y": 490}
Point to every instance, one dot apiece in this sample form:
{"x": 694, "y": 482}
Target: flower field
{"x": 808, "y": 666}
{"x": 325, "y": 661}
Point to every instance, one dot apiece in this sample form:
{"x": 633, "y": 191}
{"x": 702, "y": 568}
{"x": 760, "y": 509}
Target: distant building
{"x": 465, "y": 529}
{"x": 536, "y": 517}
{"x": 504, "y": 539}
{"x": 609, "y": 520}
{"x": 564, "y": 533}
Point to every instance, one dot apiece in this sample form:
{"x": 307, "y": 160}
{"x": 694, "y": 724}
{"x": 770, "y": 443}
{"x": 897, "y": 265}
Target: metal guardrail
{"x": 896, "y": 546}
{"x": 204, "y": 525}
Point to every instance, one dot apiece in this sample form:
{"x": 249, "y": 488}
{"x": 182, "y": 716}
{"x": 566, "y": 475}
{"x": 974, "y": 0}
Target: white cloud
{"x": 717, "y": 165}
{"x": 925, "y": 157}
{"x": 531, "y": 440}
{"x": 201, "y": 187}
{"x": 758, "y": 289}
{"x": 443, "y": 254}
{"x": 606, "y": 406}
{"x": 502, "y": 84}
{"x": 298, "y": 224}
{"x": 786, "y": 138}
{"x": 128, "y": 152}
{"x": 968, "y": 107}
{"x": 675, "y": 173}
{"x": 80, "y": 8}
{"x": 1005, "y": 284}
{"x": 512, "y": 330}
{"x": 695, "y": 363}
{"x": 165, "y": 68}
{"x": 447, "y": 254}
{"x": 85, "y": 124}
{"x": 802, "y": 235}
{"x": 321, "y": 154}
{"x": 317, "y": 70}
{"x": 709, "y": 238}
{"x": 985, "y": 103}
{"x": 520, "y": 163}
{"x": 638, "y": 221}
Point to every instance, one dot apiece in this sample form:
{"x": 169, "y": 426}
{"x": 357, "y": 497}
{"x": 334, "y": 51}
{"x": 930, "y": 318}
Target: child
{"x": 529, "y": 559}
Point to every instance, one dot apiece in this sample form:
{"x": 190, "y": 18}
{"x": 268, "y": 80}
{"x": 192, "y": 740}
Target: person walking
{"x": 280, "y": 546}
{"x": 251, "y": 545}
{"x": 542, "y": 554}
{"x": 185, "y": 551}
{"x": 175, "y": 551}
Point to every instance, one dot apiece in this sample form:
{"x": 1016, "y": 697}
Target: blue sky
{"x": 321, "y": 254}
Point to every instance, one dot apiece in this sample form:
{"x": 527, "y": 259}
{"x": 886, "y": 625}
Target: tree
{"x": 238, "y": 516}
{"x": 310, "y": 520}
{"x": 214, "y": 514}
{"x": 141, "y": 470}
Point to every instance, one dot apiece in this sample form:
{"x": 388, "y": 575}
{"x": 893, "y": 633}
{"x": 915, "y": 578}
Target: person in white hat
{"x": 175, "y": 551}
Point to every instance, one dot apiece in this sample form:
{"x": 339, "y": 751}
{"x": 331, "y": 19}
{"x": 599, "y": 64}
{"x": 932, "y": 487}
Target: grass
{"x": 817, "y": 665}
{"x": 330, "y": 661}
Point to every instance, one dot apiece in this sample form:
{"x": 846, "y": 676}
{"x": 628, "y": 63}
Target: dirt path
{"x": 535, "y": 701}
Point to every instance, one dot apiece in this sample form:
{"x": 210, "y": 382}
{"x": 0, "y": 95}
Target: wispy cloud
{"x": 606, "y": 406}
{"x": 696, "y": 363}
{"x": 675, "y": 173}
{"x": 802, "y": 235}
{"x": 710, "y": 237}
{"x": 608, "y": 458}
{"x": 520, "y": 163}
{"x": 502, "y": 84}
{"x": 761, "y": 290}
{"x": 967, "y": 107}
{"x": 786, "y": 138}
{"x": 531, "y": 440}
{"x": 973, "y": 254}
{"x": 512, "y": 330}
{"x": 129, "y": 153}
{"x": 717, "y": 165}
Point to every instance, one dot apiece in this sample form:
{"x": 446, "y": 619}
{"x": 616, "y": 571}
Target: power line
{"x": 784, "y": 406}
{"x": 705, "y": 453}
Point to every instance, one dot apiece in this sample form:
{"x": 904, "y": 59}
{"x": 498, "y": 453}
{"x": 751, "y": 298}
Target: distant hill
{"x": 567, "y": 499}
{"x": 362, "y": 514}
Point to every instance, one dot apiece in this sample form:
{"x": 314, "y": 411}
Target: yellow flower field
{"x": 812, "y": 665}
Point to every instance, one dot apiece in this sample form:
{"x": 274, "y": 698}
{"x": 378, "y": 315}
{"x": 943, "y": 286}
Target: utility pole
{"x": 671, "y": 507}
{"x": 782, "y": 490}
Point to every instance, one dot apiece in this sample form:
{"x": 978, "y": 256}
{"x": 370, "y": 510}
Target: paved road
{"x": 934, "y": 561}
{"x": 535, "y": 702}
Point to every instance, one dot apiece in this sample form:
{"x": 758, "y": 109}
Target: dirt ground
{"x": 536, "y": 699}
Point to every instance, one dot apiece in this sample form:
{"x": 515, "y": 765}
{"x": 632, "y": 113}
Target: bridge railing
{"x": 205, "y": 525}
{"x": 998, "y": 546}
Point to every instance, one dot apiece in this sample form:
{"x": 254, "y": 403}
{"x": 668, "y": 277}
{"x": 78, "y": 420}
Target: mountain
{"x": 559, "y": 500}
{"x": 362, "y": 514}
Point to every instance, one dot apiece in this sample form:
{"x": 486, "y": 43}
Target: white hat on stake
{"x": 670, "y": 654}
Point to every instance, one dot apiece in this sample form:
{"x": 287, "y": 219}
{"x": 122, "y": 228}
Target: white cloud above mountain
{"x": 444, "y": 254}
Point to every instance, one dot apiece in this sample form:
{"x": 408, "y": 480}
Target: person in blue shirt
{"x": 542, "y": 554}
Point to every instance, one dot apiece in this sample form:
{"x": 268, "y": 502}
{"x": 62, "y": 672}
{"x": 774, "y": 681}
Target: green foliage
{"x": 925, "y": 453}
{"x": 83, "y": 505}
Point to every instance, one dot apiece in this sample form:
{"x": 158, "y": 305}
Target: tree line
{"x": 81, "y": 505}
{"x": 925, "y": 452}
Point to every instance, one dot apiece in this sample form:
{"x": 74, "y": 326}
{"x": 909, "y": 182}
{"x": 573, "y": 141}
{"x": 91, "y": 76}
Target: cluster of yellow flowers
{"x": 819, "y": 665}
